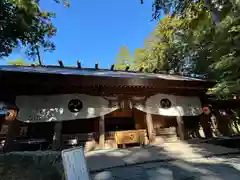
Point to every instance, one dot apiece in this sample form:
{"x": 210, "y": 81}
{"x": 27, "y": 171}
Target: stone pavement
{"x": 169, "y": 161}
{"x": 223, "y": 169}
{"x": 105, "y": 159}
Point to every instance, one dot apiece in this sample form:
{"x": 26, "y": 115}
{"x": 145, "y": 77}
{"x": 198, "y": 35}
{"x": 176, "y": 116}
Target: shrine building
{"x": 97, "y": 108}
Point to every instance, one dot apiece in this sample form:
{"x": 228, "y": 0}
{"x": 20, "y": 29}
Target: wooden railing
{"x": 165, "y": 131}
{"x": 80, "y": 136}
{"x": 90, "y": 136}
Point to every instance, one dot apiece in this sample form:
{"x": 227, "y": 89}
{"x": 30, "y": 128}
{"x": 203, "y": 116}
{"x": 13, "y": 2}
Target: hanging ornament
{"x": 206, "y": 110}
{"x": 12, "y": 113}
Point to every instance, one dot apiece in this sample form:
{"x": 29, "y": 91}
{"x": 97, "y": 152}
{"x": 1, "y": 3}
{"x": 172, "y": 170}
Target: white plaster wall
{"x": 181, "y": 105}
{"x": 55, "y": 107}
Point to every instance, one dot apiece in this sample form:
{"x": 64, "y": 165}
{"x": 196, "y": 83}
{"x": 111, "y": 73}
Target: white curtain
{"x": 55, "y": 107}
{"x": 180, "y": 105}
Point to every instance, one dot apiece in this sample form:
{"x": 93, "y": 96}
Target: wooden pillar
{"x": 150, "y": 129}
{"x": 214, "y": 123}
{"x": 13, "y": 130}
{"x": 1, "y": 122}
{"x": 180, "y": 127}
{"x": 101, "y": 132}
{"x": 57, "y": 137}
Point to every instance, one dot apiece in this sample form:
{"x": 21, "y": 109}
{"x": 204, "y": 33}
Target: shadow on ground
{"x": 198, "y": 162}
{"x": 179, "y": 161}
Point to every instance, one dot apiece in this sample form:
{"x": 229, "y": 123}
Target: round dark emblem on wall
{"x": 165, "y": 103}
{"x": 75, "y": 105}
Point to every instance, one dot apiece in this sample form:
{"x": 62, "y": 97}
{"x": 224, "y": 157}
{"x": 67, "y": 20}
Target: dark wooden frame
{"x": 22, "y": 83}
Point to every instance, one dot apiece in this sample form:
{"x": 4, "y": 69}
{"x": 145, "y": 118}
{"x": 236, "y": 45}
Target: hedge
{"x": 38, "y": 165}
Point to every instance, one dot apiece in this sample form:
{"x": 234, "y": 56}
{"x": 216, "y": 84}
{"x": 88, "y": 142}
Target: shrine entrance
{"x": 119, "y": 124}
{"x": 120, "y": 120}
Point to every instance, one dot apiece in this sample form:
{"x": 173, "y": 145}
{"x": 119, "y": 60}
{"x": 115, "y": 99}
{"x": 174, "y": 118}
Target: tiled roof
{"x": 95, "y": 72}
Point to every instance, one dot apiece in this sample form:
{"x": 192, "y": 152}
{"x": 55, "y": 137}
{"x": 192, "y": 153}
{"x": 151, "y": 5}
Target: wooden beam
{"x": 73, "y": 80}
{"x": 112, "y": 67}
{"x": 52, "y": 88}
{"x": 79, "y": 64}
{"x": 60, "y": 63}
{"x": 96, "y": 65}
{"x": 101, "y": 132}
{"x": 57, "y": 136}
{"x": 127, "y": 68}
{"x": 141, "y": 69}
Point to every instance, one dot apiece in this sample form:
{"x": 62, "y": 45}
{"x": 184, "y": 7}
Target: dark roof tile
{"x": 94, "y": 72}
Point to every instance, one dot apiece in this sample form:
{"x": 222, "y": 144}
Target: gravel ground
{"x": 218, "y": 168}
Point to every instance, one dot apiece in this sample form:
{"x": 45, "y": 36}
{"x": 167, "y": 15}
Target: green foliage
{"x": 123, "y": 59}
{"x": 218, "y": 8}
{"x": 188, "y": 40}
{"x": 31, "y": 165}
{"x": 140, "y": 56}
{"x": 24, "y": 24}
{"x": 18, "y": 62}
{"x": 160, "y": 48}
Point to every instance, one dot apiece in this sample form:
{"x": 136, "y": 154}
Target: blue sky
{"x": 93, "y": 31}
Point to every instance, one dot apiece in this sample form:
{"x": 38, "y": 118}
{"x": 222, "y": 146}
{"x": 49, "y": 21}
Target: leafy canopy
{"x": 123, "y": 59}
{"x": 24, "y": 24}
{"x": 18, "y": 62}
{"x": 188, "y": 40}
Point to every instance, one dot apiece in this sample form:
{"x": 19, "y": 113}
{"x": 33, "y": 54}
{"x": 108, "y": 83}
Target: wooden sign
{"x": 128, "y": 137}
{"x": 74, "y": 164}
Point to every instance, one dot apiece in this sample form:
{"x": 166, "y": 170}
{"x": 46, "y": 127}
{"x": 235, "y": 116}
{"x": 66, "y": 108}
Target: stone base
{"x": 93, "y": 145}
{"x": 163, "y": 139}
{"x": 110, "y": 144}
{"x": 90, "y": 146}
